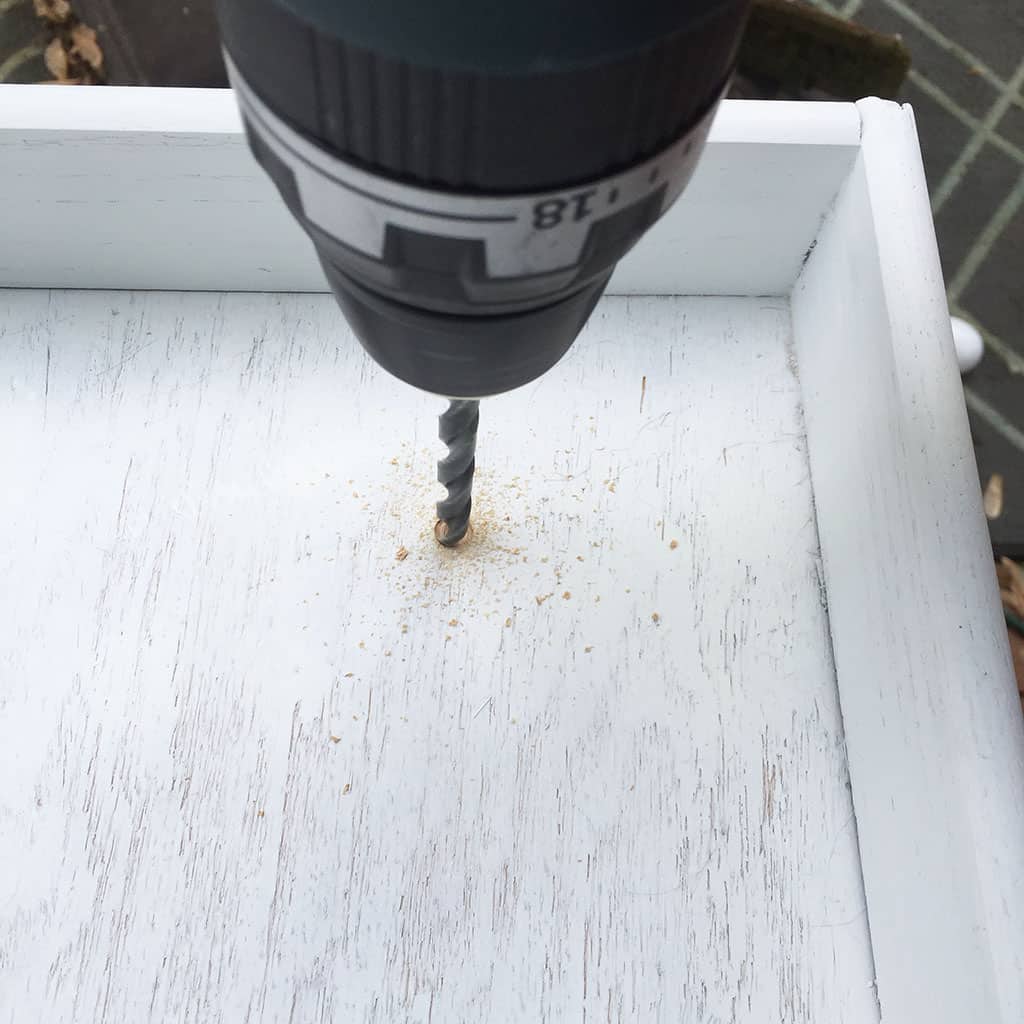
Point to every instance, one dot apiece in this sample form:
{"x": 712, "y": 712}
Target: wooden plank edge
{"x": 934, "y": 734}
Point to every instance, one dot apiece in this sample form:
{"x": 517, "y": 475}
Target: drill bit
{"x": 457, "y": 429}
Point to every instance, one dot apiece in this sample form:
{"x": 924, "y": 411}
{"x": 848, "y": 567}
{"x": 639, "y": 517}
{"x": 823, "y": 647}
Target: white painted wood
{"x": 754, "y": 206}
{"x": 256, "y": 768}
{"x": 155, "y": 188}
{"x": 934, "y": 734}
{"x": 179, "y": 639}
{"x": 147, "y": 188}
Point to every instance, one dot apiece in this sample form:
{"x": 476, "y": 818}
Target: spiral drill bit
{"x": 457, "y": 429}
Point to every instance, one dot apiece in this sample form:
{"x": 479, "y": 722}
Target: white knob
{"x": 969, "y": 346}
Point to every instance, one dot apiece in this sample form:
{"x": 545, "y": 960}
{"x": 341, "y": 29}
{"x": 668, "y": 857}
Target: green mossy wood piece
{"x": 800, "y": 48}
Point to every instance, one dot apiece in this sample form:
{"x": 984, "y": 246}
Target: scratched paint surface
{"x": 258, "y": 767}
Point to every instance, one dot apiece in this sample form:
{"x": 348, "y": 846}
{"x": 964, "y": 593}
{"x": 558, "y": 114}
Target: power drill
{"x": 470, "y": 171}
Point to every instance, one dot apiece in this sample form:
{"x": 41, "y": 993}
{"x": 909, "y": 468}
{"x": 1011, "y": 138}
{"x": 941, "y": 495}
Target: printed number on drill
{"x": 549, "y": 213}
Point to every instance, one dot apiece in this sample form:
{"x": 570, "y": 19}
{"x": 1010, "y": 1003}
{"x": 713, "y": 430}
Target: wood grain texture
{"x": 257, "y": 768}
{"x": 156, "y": 188}
{"x": 934, "y": 732}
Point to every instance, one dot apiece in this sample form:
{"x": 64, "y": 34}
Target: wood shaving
{"x": 349, "y": 675}
{"x": 508, "y": 621}
{"x": 335, "y": 739}
{"x": 453, "y": 622}
{"x": 402, "y": 554}
{"x": 541, "y": 598}
{"x": 260, "y": 813}
{"x": 566, "y": 595}
{"x": 673, "y": 544}
{"x": 346, "y": 789}
{"x": 587, "y": 650}
{"x": 655, "y": 618}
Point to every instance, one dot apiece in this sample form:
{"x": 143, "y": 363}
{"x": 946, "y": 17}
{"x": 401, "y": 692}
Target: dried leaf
{"x": 1017, "y": 650}
{"x": 1011, "y": 575}
{"x": 56, "y": 60}
{"x": 54, "y": 11}
{"x": 994, "y": 496}
{"x": 84, "y": 45}
{"x": 1011, "y": 586}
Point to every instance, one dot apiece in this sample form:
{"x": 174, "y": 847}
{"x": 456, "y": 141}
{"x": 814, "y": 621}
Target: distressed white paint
{"x": 935, "y": 737}
{"x": 155, "y": 188}
{"x": 166, "y": 515}
{"x": 557, "y": 811}
{"x": 754, "y": 206}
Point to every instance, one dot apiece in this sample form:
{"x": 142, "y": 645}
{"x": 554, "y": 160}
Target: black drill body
{"x": 470, "y": 172}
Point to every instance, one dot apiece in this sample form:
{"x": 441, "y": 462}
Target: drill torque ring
{"x": 457, "y": 427}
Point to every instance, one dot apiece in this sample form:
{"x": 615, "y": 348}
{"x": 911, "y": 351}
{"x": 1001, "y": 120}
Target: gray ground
{"x": 967, "y": 89}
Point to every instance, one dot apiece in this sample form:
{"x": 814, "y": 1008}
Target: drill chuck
{"x": 469, "y": 184}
